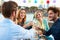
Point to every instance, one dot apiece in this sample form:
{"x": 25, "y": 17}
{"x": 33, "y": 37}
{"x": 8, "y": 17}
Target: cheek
{"x": 24, "y": 14}
{"x": 21, "y": 14}
{"x": 51, "y": 16}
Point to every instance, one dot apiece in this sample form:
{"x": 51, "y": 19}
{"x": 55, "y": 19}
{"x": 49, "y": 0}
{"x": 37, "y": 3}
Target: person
{"x": 53, "y": 15}
{"x": 41, "y": 22}
{"x": 8, "y": 29}
{"x": 21, "y": 19}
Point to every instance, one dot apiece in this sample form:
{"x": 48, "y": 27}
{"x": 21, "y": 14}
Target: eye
{"x": 39, "y": 14}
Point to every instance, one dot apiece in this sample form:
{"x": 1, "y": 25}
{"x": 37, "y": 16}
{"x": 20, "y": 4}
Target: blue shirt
{"x": 55, "y": 30}
{"x": 1, "y": 16}
{"x": 10, "y": 31}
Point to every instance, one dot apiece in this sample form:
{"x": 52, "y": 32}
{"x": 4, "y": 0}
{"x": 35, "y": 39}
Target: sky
{"x": 21, "y": 3}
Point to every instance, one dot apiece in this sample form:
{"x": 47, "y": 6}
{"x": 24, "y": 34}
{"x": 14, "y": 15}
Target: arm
{"x": 23, "y": 33}
{"x": 49, "y": 32}
{"x": 29, "y": 24}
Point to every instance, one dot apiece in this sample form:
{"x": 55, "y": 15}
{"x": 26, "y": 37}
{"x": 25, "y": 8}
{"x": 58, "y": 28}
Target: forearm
{"x": 48, "y": 33}
{"x": 27, "y": 25}
{"x": 27, "y": 33}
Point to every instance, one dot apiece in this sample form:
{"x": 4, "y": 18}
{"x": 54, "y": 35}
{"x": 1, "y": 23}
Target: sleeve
{"x": 26, "y": 34}
{"x": 49, "y": 32}
{"x": 46, "y": 24}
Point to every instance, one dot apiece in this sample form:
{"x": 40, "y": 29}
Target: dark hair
{"x": 8, "y": 8}
{"x": 22, "y": 9}
{"x": 41, "y": 29}
{"x": 54, "y": 9}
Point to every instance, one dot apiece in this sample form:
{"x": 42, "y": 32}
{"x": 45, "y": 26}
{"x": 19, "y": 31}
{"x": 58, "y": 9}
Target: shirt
{"x": 55, "y": 30}
{"x": 1, "y": 16}
{"x": 10, "y": 31}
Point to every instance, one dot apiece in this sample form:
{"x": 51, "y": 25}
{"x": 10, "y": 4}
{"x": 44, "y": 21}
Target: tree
{"x": 33, "y": 8}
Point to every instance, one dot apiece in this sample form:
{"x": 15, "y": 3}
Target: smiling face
{"x": 39, "y": 15}
{"x": 51, "y": 15}
{"x": 22, "y": 14}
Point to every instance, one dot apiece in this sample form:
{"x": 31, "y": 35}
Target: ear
{"x": 57, "y": 14}
{"x": 13, "y": 14}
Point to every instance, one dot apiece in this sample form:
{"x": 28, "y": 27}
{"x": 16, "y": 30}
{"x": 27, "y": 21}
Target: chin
{"x": 51, "y": 20}
{"x": 22, "y": 17}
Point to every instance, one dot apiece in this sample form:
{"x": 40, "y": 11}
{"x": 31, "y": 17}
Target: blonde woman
{"x": 39, "y": 20}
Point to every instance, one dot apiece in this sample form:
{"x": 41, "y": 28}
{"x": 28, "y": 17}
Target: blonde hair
{"x": 38, "y": 11}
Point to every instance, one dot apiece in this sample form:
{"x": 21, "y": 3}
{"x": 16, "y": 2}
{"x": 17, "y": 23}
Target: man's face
{"x": 51, "y": 15}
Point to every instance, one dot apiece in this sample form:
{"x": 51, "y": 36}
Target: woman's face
{"x": 38, "y": 15}
{"x": 22, "y": 14}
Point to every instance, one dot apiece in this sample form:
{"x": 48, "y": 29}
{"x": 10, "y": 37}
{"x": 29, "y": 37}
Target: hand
{"x": 36, "y": 27}
{"x": 39, "y": 31}
{"x": 31, "y": 23}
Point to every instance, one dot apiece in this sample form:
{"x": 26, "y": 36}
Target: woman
{"x": 21, "y": 19}
{"x": 41, "y": 22}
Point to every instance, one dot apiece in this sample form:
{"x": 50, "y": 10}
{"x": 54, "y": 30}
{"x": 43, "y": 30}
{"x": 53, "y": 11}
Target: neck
{"x": 20, "y": 20}
{"x": 11, "y": 18}
{"x": 55, "y": 19}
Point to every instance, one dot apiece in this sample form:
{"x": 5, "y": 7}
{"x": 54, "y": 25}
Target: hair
{"x": 54, "y": 9}
{"x": 38, "y": 12}
{"x": 8, "y": 8}
{"x": 41, "y": 30}
{"x": 18, "y": 17}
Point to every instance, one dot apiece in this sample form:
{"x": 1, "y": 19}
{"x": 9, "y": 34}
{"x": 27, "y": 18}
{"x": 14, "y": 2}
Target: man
{"x": 53, "y": 13}
{"x": 8, "y": 29}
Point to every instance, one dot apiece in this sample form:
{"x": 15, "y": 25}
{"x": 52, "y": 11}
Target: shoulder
{"x": 35, "y": 21}
{"x": 45, "y": 20}
{"x": 16, "y": 26}
{"x": 59, "y": 19}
